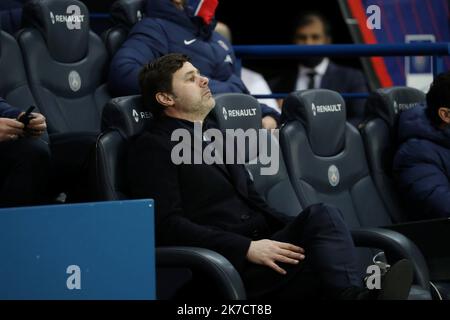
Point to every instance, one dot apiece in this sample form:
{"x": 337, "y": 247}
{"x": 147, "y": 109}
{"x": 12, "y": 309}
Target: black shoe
{"x": 397, "y": 281}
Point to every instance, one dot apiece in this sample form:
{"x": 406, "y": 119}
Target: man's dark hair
{"x": 438, "y": 97}
{"x": 156, "y": 76}
{"x": 306, "y": 18}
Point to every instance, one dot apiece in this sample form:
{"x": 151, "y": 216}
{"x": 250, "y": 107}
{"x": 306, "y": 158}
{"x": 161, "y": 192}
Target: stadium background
{"x": 270, "y": 22}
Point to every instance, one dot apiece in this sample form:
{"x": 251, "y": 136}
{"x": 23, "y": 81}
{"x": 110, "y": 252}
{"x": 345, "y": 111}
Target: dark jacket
{"x": 209, "y": 206}
{"x": 11, "y": 15}
{"x": 337, "y": 78}
{"x": 7, "y": 111}
{"x": 167, "y": 29}
{"x": 422, "y": 165}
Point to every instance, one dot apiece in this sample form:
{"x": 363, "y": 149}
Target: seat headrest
{"x": 126, "y": 115}
{"x": 64, "y": 24}
{"x": 322, "y": 113}
{"x": 387, "y": 103}
{"x": 236, "y": 110}
{"x": 127, "y": 12}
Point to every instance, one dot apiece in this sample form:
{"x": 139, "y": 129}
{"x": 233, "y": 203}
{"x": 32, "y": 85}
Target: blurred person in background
{"x": 312, "y": 28}
{"x": 254, "y": 81}
{"x": 422, "y": 162}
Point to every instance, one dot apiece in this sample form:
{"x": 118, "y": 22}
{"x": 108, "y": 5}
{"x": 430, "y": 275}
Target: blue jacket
{"x": 167, "y": 29}
{"x": 422, "y": 165}
{"x": 7, "y": 111}
{"x": 11, "y": 15}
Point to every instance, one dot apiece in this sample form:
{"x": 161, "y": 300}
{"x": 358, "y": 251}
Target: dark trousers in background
{"x": 329, "y": 267}
{"x": 24, "y": 172}
{"x": 72, "y": 154}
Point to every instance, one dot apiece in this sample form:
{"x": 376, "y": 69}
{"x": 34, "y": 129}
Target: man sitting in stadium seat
{"x": 216, "y": 206}
{"x": 24, "y": 158}
{"x": 422, "y": 163}
{"x": 174, "y": 26}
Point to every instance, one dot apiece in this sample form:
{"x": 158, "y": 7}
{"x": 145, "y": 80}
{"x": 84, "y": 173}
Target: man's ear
{"x": 444, "y": 114}
{"x": 165, "y": 99}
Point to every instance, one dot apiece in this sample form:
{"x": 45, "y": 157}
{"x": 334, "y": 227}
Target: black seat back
{"x": 123, "y": 118}
{"x": 379, "y": 132}
{"x": 124, "y": 14}
{"x": 66, "y": 64}
{"x": 326, "y": 159}
{"x": 241, "y": 111}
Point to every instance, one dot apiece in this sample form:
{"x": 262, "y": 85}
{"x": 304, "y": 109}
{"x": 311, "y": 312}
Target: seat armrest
{"x": 432, "y": 238}
{"x": 395, "y": 246}
{"x": 215, "y": 266}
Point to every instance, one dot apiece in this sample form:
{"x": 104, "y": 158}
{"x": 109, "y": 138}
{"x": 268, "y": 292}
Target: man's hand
{"x": 37, "y": 125}
{"x": 10, "y": 129}
{"x": 267, "y": 252}
{"x": 269, "y": 122}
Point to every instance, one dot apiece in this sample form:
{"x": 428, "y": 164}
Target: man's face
{"x": 179, "y": 3}
{"x": 191, "y": 92}
{"x": 311, "y": 34}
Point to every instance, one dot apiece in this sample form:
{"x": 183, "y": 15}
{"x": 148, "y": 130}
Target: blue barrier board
{"x": 101, "y": 250}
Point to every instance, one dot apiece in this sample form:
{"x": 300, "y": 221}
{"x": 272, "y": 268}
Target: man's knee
{"x": 322, "y": 213}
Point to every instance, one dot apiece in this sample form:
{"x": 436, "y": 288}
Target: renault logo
{"x": 135, "y": 116}
{"x": 395, "y": 107}
{"x": 225, "y": 114}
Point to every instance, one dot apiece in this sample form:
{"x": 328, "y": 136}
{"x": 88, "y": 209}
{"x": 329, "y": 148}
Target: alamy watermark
{"x": 73, "y": 17}
{"x": 373, "y": 17}
{"x": 232, "y": 146}
{"x": 73, "y": 281}
{"x": 373, "y": 279}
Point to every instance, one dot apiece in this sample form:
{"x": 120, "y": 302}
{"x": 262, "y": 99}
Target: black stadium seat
{"x": 280, "y": 194}
{"x": 14, "y": 87}
{"x": 66, "y": 64}
{"x": 326, "y": 161}
{"x": 123, "y": 118}
{"x": 125, "y": 14}
{"x": 326, "y": 158}
{"x": 379, "y": 132}
{"x": 275, "y": 189}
